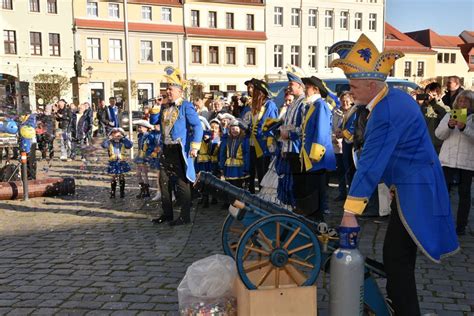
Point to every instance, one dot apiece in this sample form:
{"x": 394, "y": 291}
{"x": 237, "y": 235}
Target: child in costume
{"x": 155, "y": 150}
{"x": 116, "y": 144}
{"x": 145, "y": 147}
{"x": 234, "y": 159}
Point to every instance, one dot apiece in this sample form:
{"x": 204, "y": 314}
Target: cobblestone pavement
{"x": 88, "y": 255}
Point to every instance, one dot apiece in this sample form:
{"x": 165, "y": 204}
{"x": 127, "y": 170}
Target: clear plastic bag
{"x": 207, "y": 282}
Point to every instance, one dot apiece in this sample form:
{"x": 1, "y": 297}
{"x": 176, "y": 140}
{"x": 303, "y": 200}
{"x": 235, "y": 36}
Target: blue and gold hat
{"x": 294, "y": 74}
{"x": 174, "y": 78}
{"x": 362, "y": 60}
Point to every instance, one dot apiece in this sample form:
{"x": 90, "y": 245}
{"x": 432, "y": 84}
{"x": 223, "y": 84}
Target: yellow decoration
{"x": 347, "y": 135}
{"x": 173, "y": 77}
{"x": 362, "y": 60}
{"x": 27, "y": 132}
{"x": 195, "y": 145}
{"x": 355, "y": 205}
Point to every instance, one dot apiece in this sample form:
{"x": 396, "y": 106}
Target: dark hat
{"x": 251, "y": 81}
{"x": 318, "y": 83}
{"x": 262, "y": 86}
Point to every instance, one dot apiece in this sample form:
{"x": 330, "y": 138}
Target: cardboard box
{"x": 287, "y": 300}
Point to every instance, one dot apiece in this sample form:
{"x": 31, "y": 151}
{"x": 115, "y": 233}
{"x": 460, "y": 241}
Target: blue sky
{"x": 445, "y": 17}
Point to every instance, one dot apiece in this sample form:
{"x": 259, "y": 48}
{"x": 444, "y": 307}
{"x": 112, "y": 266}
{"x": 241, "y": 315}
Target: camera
{"x": 422, "y": 97}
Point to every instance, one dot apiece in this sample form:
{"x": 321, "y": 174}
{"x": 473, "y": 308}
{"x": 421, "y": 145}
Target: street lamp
{"x": 89, "y": 71}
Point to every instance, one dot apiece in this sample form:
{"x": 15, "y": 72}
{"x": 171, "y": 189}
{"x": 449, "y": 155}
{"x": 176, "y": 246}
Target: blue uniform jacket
{"x": 113, "y": 115}
{"x": 268, "y": 110}
{"x": 234, "y": 157}
{"x": 116, "y": 150}
{"x": 154, "y": 140}
{"x": 317, "y": 152}
{"x": 398, "y": 150}
{"x": 146, "y": 145}
{"x": 187, "y": 129}
{"x": 295, "y": 136}
{"x": 348, "y": 125}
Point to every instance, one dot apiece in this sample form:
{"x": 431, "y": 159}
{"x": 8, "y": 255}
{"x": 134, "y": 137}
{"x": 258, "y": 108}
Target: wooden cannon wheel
{"x": 231, "y": 233}
{"x": 278, "y": 251}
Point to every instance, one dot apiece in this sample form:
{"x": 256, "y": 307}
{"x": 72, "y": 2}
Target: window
{"x": 213, "y": 54}
{"x": 420, "y": 70}
{"x": 278, "y": 56}
{"x": 440, "y": 57}
{"x": 9, "y": 41}
{"x": 295, "y": 17}
{"x": 52, "y": 6}
{"x": 115, "y": 49}
{"x": 312, "y": 57}
{"x": 446, "y": 58}
{"x": 196, "y": 57}
{"x": 232, "y": 88}
{"x": 146, "y": 13}
{"x": 312, "y": 18}
{"x": 358, "y": 21}
{"x": 114, "y": 11}
{"x": 54, "y": 44}
{"x": 407, "y": 72}
{"x": 250, "y": 22}
{"x": 34, "y": 6}
{"x": 453, "y": 58}
{"x": 230, "y": 55}
{"x": 7, "y": 4}
{"x": 471, "y": 59}
{"x": 295, "y": 55}
{"x": 166, "y": 14}
{"x": 214, "y": 88}
{"x": 212, "y": 19}
{"x": 35, "y": 43}
{"x": 372, "y": 21}
{"x": 278, "y": 16}
{"x": 327, "y": 57}
{"x": 146, "y": 51}
{"x": 93, "y": 48}
{"x": 92, "y": 9}
{"x": 167, "y": 52}
{"x": 251, "y": 56}
{"x": 328, "y": 19}
{"x": 195, "y": 18}
{"x": 343, "y": 22}
{"x": 229, "y": 20}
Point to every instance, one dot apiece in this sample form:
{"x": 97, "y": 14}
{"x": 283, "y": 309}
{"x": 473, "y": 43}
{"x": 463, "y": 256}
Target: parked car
{"x": 136, "y": 115}
{"x": 338, "y": 85}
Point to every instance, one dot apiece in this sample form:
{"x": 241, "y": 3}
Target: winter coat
{"x": 79, "y": 130}
{"x": 458, "y": 146}
{"x": 64, "y": 119}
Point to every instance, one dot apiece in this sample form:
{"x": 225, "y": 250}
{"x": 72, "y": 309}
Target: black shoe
{"x": 461, "y": 231}
{"x": 179, "y": 221}
{"x": 146, "y": 191}
{"x": 161, "y": 220}
{"x": 122, "y": 188}
{"x": 113, "y": 187}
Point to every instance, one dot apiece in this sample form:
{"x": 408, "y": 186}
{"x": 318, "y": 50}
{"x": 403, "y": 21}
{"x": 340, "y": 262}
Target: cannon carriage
{"x": 271, "y": 243}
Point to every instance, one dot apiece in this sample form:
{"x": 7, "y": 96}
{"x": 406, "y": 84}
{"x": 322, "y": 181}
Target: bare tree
{"x": 47, "y": 86}
{"x": 120, "y": 88}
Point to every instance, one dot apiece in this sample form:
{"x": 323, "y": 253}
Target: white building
{"x": 300, "y": 32}
{"x": 37, "y": 39}
{"x": 225, "y": 43}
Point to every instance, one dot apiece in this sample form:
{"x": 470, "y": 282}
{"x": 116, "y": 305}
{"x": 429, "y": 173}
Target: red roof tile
{"x": 431, "y": 39}
{"x": 137, "y": 27}
{"x": 231, "y": 34}
{"x": 396, "y": 40}
{"x": 158, "y": 2}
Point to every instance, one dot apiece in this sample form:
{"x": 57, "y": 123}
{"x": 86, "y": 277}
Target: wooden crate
{"x": 286, "y": 300}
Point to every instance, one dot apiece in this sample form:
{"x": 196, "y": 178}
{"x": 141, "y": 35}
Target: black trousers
{"x": 399, "y": 257}
{"x": 309, "y": 194}
{"x": 237, "y": 183}
{"x": 464, "y": 190}
{"x": 258, "y": 167}
{"x": 173, "y": 172}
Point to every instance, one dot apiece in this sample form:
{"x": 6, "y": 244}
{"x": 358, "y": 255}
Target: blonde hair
{"x": 468, "y": 94}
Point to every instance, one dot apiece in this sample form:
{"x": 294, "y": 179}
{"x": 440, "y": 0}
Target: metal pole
{"x": 24, "y": 174}
{"x": 127, "y": 66}
{"x": 17, "y": 88}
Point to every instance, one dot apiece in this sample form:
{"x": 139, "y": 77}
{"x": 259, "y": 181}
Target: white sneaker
{"x": 157, "y": 196}
{"x": 63, "y": 158}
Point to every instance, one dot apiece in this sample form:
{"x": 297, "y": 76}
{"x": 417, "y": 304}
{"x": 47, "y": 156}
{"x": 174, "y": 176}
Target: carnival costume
{"x": 398, "y": 150}
{"x": 146, "y": 145}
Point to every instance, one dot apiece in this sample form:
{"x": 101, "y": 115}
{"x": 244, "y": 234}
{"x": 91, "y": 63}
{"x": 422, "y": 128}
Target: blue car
{"x": 338, "y": 85}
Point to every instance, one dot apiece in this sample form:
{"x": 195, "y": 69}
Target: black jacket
{"x": 448, "y": 99}
{"x": 63, "y": 116}
{"x": 103, "y": 116}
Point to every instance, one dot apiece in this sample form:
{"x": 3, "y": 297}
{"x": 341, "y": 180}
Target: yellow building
{"x": 419, "y": 63}
{"x": 155, "y": 37}
{"x": 37, "y": 39}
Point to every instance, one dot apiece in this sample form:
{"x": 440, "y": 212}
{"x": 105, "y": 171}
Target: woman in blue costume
{"x": 146, "y": 146}
{"x": 398, "y": 151}
{"x": 116, "y": 145}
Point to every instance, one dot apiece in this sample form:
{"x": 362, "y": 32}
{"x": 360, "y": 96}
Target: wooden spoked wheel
{"x": 278, "y": 251}
{"x": 231, "y": 232}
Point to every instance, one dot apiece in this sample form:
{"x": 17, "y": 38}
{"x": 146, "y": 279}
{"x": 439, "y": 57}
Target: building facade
{"x": 37, "y": 39}
{"x": 225, "y": 43}
{"x": 300, "y": 32}
{"x": 155, "y": 41}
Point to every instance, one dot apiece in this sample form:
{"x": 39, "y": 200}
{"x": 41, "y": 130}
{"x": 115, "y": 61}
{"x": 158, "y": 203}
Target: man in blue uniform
{"x": 181, "y": 139}
{"x": 398, "y": 151}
